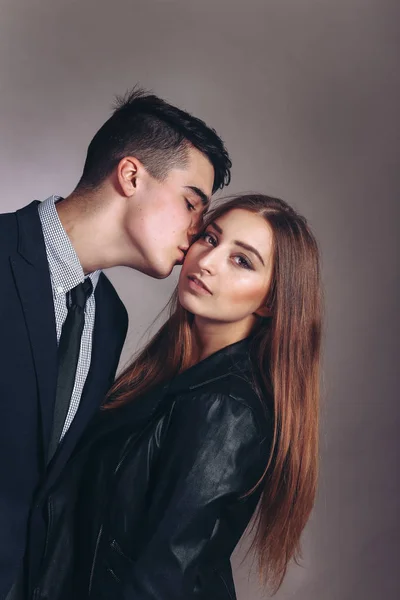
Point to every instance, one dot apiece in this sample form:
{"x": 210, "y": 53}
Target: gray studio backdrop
{"x": 306, "y": 95}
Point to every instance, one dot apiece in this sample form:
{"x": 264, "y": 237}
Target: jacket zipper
{"x": 117, "y": 468}
{"x": 36, "y": 594}
{"x": 118, "y": 550}
{"x": 123, "y": 456}
{"x": 49, "y": 524}
{"x": 225, "y": 584}
{"x": 96, "y": 548}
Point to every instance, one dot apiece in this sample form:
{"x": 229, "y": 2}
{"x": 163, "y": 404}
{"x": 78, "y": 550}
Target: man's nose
{"x": 195, "y": 227}
{"x": 197, "y": 222}
{"x": 193, "y": 232}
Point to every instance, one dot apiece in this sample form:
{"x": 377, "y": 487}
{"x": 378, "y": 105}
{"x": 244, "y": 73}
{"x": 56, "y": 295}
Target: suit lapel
{"x": 33, "y": 282}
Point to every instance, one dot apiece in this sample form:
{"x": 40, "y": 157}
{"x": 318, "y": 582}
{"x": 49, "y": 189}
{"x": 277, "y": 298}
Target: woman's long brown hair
{"x": 287, "y": 350}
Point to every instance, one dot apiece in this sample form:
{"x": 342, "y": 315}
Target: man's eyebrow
{"x": 202, "y": 195}
{"x": 241, "y": 244}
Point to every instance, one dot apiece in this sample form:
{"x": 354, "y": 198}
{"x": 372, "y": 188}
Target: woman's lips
{"x": 198, "y": 286}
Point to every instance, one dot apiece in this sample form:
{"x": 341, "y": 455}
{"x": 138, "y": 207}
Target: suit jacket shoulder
{"x": 8, "y": 232}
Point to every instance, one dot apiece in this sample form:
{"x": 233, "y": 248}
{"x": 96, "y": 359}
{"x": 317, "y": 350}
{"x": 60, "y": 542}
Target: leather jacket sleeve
{"x": 212, "y": 453}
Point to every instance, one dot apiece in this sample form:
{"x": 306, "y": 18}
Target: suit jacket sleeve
{"x": 211, "y": 455}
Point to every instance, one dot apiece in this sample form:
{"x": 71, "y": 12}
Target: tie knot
{"x": 81, "y": 292}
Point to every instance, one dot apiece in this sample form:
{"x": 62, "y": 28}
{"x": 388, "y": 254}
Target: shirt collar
{"x": 65, "y": 268}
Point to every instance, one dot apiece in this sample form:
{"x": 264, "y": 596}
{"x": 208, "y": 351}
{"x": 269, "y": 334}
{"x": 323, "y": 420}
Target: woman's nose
{"x": 207, "y": 262}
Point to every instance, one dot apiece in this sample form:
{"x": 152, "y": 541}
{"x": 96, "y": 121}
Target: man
{"x": 149, "y": 174}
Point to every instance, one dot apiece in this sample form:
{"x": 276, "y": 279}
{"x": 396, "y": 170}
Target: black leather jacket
{"x": 150, "y": 507}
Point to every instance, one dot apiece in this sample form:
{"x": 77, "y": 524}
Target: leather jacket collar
{"x": 215, "y": 366}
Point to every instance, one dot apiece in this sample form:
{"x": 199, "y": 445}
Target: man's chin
{"x": 160, "y": 272}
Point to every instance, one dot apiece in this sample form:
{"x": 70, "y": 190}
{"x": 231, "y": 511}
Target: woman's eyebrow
{"x": 250, "y": 249}
{"x": 241, "y": 244}
{"x": 217, "y": 228}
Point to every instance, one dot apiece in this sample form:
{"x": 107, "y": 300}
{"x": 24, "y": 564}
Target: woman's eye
{"x": 243, "y": 262}
{"x": 208, "y": 238}
{"x": 190, "y": 206}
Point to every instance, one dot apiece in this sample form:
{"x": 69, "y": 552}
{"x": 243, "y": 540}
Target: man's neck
{"x": 90, "y": 223}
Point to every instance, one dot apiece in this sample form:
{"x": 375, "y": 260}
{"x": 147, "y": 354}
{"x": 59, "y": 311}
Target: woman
{"x": 216, "y": 416}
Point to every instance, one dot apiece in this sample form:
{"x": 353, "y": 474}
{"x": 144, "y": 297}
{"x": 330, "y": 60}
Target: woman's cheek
{"x": 247, "y": 295}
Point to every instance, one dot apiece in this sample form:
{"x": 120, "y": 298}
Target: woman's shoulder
{"x": 226, "y": 397}
{"x": 220, "y": 388}
{"x": 235, "y": 388}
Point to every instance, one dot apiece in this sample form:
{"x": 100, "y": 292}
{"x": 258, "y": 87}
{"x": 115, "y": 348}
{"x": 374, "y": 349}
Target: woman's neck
{"x": 210, "y": 336}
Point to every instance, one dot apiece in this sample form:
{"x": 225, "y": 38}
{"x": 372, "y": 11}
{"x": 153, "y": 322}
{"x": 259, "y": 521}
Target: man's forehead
{"x": 201, "y": 170}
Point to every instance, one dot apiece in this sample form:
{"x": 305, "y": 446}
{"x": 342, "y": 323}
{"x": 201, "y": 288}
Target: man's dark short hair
{"x": 156, "y": 133}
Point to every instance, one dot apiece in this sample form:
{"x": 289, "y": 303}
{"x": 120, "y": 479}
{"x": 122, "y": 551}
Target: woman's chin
{"x": 189, "y": 302}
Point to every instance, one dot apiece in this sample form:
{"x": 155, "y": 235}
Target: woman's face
{"x": 226, "y": 273}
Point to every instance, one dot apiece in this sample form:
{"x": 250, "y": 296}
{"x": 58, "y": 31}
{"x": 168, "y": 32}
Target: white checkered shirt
{"x": 66, "y": 272}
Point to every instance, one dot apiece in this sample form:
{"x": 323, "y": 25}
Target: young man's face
{"x": 166, "y": 214}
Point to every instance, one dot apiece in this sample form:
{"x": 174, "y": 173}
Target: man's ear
{"x": 263, "y": 311}
{"x": 127, "y": 171}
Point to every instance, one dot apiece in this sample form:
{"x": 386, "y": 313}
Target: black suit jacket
{"x": 28, "y": 371}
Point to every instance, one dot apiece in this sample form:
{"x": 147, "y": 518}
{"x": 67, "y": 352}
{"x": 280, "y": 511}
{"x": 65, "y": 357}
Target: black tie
{"x": 68, "y": 356}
